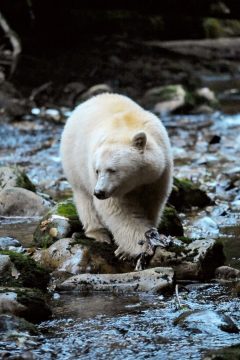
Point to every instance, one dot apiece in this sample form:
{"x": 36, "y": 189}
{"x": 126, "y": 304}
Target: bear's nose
{"x": 100, "y": 194}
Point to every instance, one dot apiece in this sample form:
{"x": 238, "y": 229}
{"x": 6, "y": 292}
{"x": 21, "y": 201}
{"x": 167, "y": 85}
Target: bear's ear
{"x": 139, "y": 141}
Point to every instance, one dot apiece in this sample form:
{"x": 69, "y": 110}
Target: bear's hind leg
{"x": 92, "y": 225}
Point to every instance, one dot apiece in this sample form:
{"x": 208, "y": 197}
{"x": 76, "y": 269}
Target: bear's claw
{"x": 153, "y": 239}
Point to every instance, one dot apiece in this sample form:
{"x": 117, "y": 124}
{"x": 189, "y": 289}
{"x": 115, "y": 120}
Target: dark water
{"x": 137, "y": 326}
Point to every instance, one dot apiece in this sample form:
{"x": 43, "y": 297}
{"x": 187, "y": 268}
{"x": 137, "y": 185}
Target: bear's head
{"x": 121, "y": 166}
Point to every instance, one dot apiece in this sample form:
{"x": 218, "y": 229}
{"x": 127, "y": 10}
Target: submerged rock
{"x": 186, "y": 194}
{"x": 21, "y": 271}
{"x": 16, "y": 201}
{"x": 27, "y": 303}
{"x": 206, "y": 321}
{"x": 154, "y": 280}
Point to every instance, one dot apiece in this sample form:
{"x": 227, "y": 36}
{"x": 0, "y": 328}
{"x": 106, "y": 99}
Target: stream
{"x": 206, "y": 150}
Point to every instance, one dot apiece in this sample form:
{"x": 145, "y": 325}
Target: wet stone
{"x": 227, "y": 273}
{"x": 206, "y": 321}
{"x": 7, "y": 242}
{"x": 227, "y": 353}
{"x": 196, "y": 260}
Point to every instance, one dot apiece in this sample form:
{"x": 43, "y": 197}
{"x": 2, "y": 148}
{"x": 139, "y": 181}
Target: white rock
{"x": 152, "y": 280}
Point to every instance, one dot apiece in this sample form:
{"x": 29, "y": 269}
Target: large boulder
{"x": 15, "y": 201}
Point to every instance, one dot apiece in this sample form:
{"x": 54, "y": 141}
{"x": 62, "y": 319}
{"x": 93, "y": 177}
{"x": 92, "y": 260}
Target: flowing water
{"x": 207, "y": 150}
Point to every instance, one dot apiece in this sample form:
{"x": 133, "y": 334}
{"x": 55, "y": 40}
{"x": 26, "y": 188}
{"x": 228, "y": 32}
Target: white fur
{"x": 130, "y": 150}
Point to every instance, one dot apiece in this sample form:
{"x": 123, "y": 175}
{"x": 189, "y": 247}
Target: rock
{"x": 186, "y": 194}
{"x": 21, "y": 271}
{"x": 165, "y": 98}
{"x": 196, "y": 260}
{"x": 16, "y": 201}
{"x": 11, "y": 104}
{"x": 153, "y": 280}
{"x": 206, "y": 321}
{"x": 14, "y": 177}
{"x": 27, "y": 303}
{"x": 206, "y": 96}
{"x": 76, "y": 256}
{"x": 96, "y": 90}
{"x": 227, "y": 353}
{"x": 170, "y": 223}
{"x": 8, "y": 243}
{"x": 227, "y": 273}
{"x": 11, "y": 325}
{"x": 71, "y": 93}
{"x": 59, "y": 223}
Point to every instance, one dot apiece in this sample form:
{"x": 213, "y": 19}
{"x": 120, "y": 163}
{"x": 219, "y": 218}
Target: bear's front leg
{"x": 127, "y": 224}
{"x": 92, "y": 225}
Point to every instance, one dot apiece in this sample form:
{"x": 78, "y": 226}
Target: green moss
{"x": 23, "y": 181}
{"x": 44, "y": 237}
{"x": 31, "y": 274}
{"x": 213, "y": 28}
{"x": 170, "y": 223}
{"x": 67, "y": 209}
{"x": 186, "y": 194}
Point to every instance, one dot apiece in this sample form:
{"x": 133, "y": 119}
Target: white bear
{"x": 117, "y": 158}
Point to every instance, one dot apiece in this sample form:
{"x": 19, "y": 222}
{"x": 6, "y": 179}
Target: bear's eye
{"x": 111, "y": 171}
{"x": 97, "y": 172}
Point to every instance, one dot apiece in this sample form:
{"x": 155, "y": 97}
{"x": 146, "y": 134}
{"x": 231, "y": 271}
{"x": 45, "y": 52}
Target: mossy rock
{"x": 186, "y": 194}
{"x": 61, "y": 222}
{"x": 170, "y": 223}
{"x": 30, "y": 273}
{"x": 14, "y": 177}
{"x": 34, "y": 301}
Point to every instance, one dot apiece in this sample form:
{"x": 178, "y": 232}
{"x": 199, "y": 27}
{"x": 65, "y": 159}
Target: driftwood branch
{"x": 14, "y": 40}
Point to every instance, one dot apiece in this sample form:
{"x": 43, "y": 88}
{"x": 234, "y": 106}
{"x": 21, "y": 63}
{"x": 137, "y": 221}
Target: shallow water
{"x": 131, "y": 326}
{"x": 137, "y": 326}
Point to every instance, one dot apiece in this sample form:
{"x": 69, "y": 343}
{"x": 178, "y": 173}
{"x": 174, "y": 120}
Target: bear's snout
{"x": 100, "y": 194}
